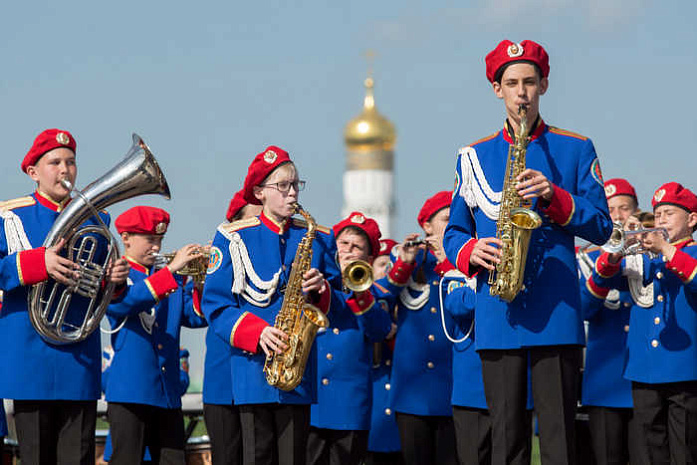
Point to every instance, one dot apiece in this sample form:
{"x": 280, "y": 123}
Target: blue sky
{"x": 210, "y": 84}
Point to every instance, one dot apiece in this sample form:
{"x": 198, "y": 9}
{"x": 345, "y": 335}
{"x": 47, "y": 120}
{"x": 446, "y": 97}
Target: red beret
{"x": 674, "y": 193}
{"x": 48, "y": 140}
{"x": 386, "y": 246}
{"x": 143, "y": 220}
{"x": 508, "y": 52}
{"x": 367, "y": 225}
{"x": 237, "y": 203}
{"x": 619, "y": 186}
{"x": 433, "y": 205}
{"x": 262, "y": 165}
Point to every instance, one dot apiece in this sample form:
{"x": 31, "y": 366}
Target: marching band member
{"x": 383, "y": 438}
{"x": 55, "y": 387}
{"x": 605, "y": 393}
{"x": 661, "y": 347}
{"x": 143, "y": 388}
{"x": 563, "y": 182}
{"x": 220, "y": 413}
{"x": 422, "y": 364}
{"x": 340, "y": 419}
{"x": 248, "y": 275}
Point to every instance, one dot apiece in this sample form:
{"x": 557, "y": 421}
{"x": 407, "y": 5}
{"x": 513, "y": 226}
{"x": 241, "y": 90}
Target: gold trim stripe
{"x": 234, "y": 328}
{"x": 152, "y": 289}
{"x": 19, "y": 269}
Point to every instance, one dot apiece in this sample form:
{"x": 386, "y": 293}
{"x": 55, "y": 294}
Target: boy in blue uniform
{"x": 143, "y": 388}
{"x": 543, "y": 323}
{"x": 340, "y": 419}
{"x": 51, "y": 385}
{"x": 661, "y": 341}
{"x": 422, "y": 364}
{"x": 251, "y": 261}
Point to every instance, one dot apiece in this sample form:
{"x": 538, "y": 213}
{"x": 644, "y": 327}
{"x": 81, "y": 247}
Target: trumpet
{"x": 358, "y": 276}
{"x": 195, "y": 268}
{"x": 629, "y": 242}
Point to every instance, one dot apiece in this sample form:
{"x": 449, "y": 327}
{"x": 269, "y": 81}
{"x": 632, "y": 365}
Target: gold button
{"x": 164, "y": 369}
{"x": 657, "y": 320}
{"x": 654, "y": 343}
{"x": 330, "y": 356}
{"x": 159, "y": 346}
{"x": 388, "y": 362}
{"x": 659, "y": 275}
{"x": 626, "y": 328}
{"x": 325, "y": 381}
{"x": 429, "y": 364}
{"x": 335, "y": 330}
{"x": 283, "y": 241}
{"x": 433, "y": 310}
{"x": 659, "y": 298}
{"x": 681, "y": 273}
{"x": 627, "y": 304}
{"x": 431, "y": 337}
{"x": 435, "y": 283}
{"x": 360, "y": 302}
{"x": 388, "y": 411}
{"x": 387, "y": 386}
{"x": 522, "y": 288}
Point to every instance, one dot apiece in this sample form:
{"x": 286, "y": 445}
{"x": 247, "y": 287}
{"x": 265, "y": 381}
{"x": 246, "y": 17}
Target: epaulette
{"x": 240, "y": 224}
{"x": 691, "y": 244}
{"x": 303, "y": 224}
{"x": 484, "y": 139}
{"x": 16, "y": 203}
{"x": 564, "y": 132}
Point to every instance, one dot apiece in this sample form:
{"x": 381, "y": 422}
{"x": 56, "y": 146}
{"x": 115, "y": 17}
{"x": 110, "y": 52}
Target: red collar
{"x": 541, "y": 126}
{"x": 135, "y": 265}
{"x": 681, "y": 243}
{"x": 278, "y": 228}
{"x": 44, "y": 200}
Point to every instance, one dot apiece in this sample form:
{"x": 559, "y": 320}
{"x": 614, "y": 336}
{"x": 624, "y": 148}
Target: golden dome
{"x": 370, "y": 128}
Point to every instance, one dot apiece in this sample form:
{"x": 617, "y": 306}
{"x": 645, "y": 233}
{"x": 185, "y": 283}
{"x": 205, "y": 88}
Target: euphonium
{"x": 299, "y": 319}
{"x": 196, "y": 268}
{"x": 515, "y": 223}
{"x": 358, "y": 276}
{"x": 137, "y": 174}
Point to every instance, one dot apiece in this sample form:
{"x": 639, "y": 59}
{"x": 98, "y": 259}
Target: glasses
{"x": 284, "y": 186}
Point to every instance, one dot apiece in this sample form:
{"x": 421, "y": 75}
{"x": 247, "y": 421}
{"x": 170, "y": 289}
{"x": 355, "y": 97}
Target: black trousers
{"x": 427, "y": 439}
{"x": 384, "y": 458}
{"x": 555, "y": 374}
{"x": 225, "y": 431}
{"x": 336, "y": 447}
{"x": 667, "y": 418}
{"x": 55, "y": 432}
{"x": 134, "y": 426}
{"x": 615, "y": 436}
{"x": 473, "y": 435}
{"x": 274, "y": 433}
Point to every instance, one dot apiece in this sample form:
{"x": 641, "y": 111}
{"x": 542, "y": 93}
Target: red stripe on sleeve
{"x": 31, "y": 266}
{"x": 246, "y": 332}
{"x": 561, "y": 207}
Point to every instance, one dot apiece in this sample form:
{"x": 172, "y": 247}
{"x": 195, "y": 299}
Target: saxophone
{"x": 515, "y": 223}
{"x": 299, "y": 319}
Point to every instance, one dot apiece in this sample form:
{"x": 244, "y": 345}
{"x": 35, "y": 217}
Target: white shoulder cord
{"x": 15, "y": 235}
{"x": 634, "y": 271}
{"x": 442, "y": 315}
{"x": 475, "y": 189}
{"x": 415, "y": 303}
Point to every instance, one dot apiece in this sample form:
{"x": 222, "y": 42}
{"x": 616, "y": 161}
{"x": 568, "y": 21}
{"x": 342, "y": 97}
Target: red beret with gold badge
{"x": 386, "y": 246}
{"x": 619, "y": 186}
{"x": 673, "y": 193}
{"x": 143, "y": 220}
{"x": 509, "y": 52}
{"x": 433, "y": 205}
{"x": 237, "y": 203}
{"x": 368, "y": 225}
{"x": 262, "y": 165}
{"x": 46, "y": 141}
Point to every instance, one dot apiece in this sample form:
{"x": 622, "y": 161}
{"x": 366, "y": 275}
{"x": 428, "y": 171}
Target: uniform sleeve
{"x": 21, "y": 268}
{"x": 582, "y": 209}
{"x": 192, "y": 317}
{"x": 373, "y": 321}
{"x": 144, "y": 294}
{"x": 459, "y": 299}
{"x": 605, "y": 276}
{"x": 684, "y": 266}
{"x": 460, "y": 234}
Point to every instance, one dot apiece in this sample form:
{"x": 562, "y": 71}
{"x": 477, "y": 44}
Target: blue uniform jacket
{"x": 33, "y": 369}
{"x": 384, "y": 434}
{"x": 547, "y": 311}
{"x": 422, "y": 364}
{"x": 217, "y": 385}
{"x": 661, "y": 341}
{"x": 250, "y": 265}
{"x": 345, "y": 357}
{"x": 606, "y": 347}
{"x": 145, "y": 366}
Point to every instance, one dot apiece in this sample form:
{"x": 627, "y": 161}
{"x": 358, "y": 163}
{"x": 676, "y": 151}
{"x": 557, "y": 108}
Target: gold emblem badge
{"x": 270, "y": 156}
{"x": 515, "y": 50}
{"x": 62, "y": 138}
{"x": 161, "y": 228}
{"x": 659, "y": 195}
{"x": 358, "y": 218}
{"x": 610, "y": 190}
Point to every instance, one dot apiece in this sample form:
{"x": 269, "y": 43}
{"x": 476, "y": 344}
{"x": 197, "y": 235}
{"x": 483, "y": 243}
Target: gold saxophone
{"x": 515, "y": 223}
{"x": 299, "y": 319}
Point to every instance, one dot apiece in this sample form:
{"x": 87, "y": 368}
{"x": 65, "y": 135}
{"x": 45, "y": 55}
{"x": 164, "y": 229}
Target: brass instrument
{"x": 137, "y": 174}
{"x": 629, "y": 242}
{"x": 358, "y": 276}
{"x": 195, "y": 268}
{"x": 415, "y": 243}
{"x": 515, "y": 223}
{"x": 299, "y": 319}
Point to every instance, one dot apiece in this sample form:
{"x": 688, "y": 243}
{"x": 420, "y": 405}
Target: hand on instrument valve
{"x": 59, "y": 268}
{"x": 656, "y": 242}
{"x": 313, "y": 280}
{"x": 486, "y": 253}
{"x": 408, "y": 253}
{"x": 183, "y": 256}
{"x": 117, "y": 271}
{"x": 435, "y": 244}
{"x": 532, "y": 183}
{"x": 272, "y": 340}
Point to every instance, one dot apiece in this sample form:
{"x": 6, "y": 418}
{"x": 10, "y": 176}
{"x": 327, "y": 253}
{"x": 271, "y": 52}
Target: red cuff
{"x": 463, "y": 258}
{"x": 606, "y": 269}
{"x": 361, "y": 302}
{"x": 196, "y": 296}
{"x": 683, "y": 265}
{"x": 161, "y": 283}
{"x": 246, "y": 332}
{"x": 597, "y": 291}
{"x": 561, "y": 207}
{"x": 323, "y": 301}
{"x": 400, "y": 272}
{"x": 443, "y": 267}
{"x": 31, "y": 266}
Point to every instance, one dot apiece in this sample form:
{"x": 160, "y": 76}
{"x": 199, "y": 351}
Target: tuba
{"x": 297, "y": 318}
{"x": 49, "y": 301}
{"x": 515, "y": 223}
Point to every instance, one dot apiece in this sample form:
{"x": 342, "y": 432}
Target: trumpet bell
{"x": 358, "y": 276}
